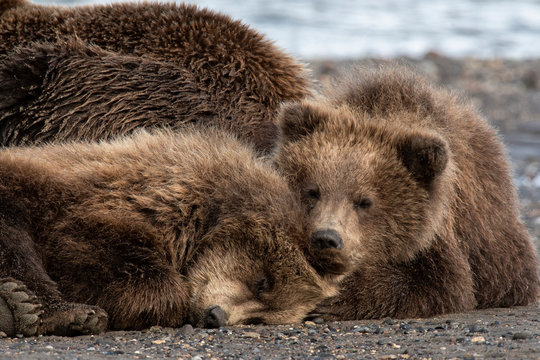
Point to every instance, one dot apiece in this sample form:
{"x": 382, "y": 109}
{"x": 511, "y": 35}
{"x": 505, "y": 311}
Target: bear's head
{"x": 254, "y": 274}
{"x": 253, "y": 262}
{"x": 367, "y": 183}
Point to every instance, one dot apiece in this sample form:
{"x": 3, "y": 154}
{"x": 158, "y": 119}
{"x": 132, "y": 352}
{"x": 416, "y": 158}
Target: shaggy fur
{"x": 229, "y": 74}
{"x": 157, "y": 229}
{"x": 417, "y": 187}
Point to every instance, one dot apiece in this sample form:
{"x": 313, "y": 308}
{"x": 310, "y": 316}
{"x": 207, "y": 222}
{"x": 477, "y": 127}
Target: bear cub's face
{"x": 367, "y": 185}
{"x": 261, "y": 284}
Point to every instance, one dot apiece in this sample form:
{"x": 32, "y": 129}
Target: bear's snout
{"x": 326, "y": 239}
{"x": 214, "y": 317}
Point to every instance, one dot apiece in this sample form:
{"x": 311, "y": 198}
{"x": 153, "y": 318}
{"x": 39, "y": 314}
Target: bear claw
{"x": 19, "y": 309}
{"x": 89, "y": 322}
{"x": 75, "y": 319}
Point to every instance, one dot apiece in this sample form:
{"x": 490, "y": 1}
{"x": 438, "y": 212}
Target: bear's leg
{"x": 438, "y": 281}
{"x": 30, "y": 303}
{"x": 122, "y": 266}
{"x": 159, "y": 297}
{"x": 505, "y": 268}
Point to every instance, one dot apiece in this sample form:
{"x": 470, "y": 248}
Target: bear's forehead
{"x": 362, "y": 167}
{"x": 342, "y": 154}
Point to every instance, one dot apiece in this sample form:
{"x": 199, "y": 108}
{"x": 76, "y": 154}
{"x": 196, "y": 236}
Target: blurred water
{"x": 349, "y": 28}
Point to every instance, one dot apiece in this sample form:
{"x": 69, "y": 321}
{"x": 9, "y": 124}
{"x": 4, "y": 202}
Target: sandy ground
{"x": 508, "y": 92}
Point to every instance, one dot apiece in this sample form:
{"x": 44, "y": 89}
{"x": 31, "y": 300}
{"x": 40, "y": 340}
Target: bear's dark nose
{"x": 325, "y": 239}
{"x": 214, "y": 317}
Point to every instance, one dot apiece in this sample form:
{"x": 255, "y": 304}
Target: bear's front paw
{"x": 70, "y": 319}
{"x": 327, "y": 310}
{"x": 19, "y": 309}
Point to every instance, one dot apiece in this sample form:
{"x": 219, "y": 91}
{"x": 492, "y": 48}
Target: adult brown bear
{"x": 236, "y": 76}
{"x": 156, "y": 229}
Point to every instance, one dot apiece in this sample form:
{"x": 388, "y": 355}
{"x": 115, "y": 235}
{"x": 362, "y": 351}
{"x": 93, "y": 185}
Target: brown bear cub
{"x": 416, "y": 187}
{"x": 154, "y": 229}
{"x": 228, "y": 74}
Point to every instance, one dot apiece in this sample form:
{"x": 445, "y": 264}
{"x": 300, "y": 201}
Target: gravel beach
{"x": 508, "y": 94}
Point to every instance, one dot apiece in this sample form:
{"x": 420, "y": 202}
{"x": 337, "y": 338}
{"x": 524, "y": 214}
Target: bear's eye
{"x": 363, "y": 203}
{"x": 310, "y": 195}
{"x": 313, "y": 192}
{"x": 262, "y": 285}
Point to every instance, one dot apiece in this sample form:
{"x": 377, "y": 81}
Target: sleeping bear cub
{"x": 158, "y": 228}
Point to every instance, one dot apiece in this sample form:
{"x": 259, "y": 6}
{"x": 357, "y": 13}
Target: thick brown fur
{"x": 417, "y": 187}
{"x": 157, "y": 229}
{"x": 240, "y": 78}
{"x": 6, "y": 5}
{"x": 73, "y": 91}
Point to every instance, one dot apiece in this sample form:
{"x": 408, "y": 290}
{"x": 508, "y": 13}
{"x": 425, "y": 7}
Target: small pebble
{"x": 478, "y": 339}
{"x": 251, "y": 334}
{"x": 523, "y": 335}
{"x": 155, "y": 328}
{"x": 187, "y": 330}
{"x": 3, "y": 334}
{"x": 362, "y": 329}
{"x": 477, "y": 329}
{"x": 404, "y": 326}
{"x": 115, "y": 352}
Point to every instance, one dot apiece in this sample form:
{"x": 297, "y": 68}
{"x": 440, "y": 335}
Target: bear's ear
{"x": 297, "y": 120}
{"x": 424, "y": 156}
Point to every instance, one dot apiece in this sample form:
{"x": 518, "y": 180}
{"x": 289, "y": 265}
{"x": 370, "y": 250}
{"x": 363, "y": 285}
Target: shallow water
{"x": 384, "y": 28}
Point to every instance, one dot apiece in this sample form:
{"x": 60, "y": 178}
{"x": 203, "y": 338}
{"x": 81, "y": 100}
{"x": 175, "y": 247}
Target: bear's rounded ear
{"x": 297, "y": 120}
{"x": 424, "y": 156}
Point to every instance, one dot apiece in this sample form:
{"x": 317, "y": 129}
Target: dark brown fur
{"x": 232, "y": 76}
{"x": 156, "y": 229}
{"x": 418, "y": 187}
